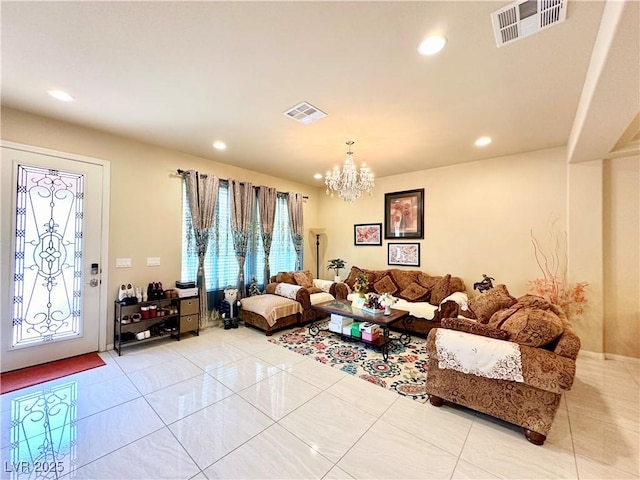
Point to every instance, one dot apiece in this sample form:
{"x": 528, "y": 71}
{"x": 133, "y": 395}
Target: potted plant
{"x": 336, "y": 264}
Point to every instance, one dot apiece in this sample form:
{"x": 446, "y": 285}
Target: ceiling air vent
{"x": 305, "y": 113}
{"x": 526, "y": 17}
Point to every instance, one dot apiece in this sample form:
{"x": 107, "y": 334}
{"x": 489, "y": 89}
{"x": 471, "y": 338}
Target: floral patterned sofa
{"x": 299, "y": 287}
{"x": 512, "y": 360}
{"x": 427, "y": 298}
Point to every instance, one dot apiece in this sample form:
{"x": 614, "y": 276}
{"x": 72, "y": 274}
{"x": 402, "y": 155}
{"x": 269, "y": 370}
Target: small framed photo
{"x": 367, "y": 234}
{"x": 407, "y": 254}
{"x": 404, "y": 214}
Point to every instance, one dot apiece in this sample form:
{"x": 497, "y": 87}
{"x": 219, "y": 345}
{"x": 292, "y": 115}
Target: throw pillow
{"x": 285, "y": 277}
{"x": 353, "y": 274}
{"x": 403, "y": 278}
{"x": 533, "y": 327}
{"x": 302, "y": 279}
{"x": 414, "y": 292}
{"x": 476, "y": 328}
{"x": 456, "y": 285}
{"x": 313, "y": 290}
{"x": 385, "y": 285}
{"x": 440, "y": 290}
{"x": 489, "y": 302}
{"x": 427, "y": 281}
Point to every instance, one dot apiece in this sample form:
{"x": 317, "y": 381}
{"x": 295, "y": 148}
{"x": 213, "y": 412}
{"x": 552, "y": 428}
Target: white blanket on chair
{"x": 287, "y": 290}
{"x": 478, "y": 355}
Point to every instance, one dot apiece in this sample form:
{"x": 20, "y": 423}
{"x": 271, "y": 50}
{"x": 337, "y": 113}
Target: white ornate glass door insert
{"x": 48, "y": 255}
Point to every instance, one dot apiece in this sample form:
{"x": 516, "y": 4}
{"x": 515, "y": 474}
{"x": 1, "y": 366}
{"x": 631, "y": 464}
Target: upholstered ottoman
{"x": 270, "y": 312}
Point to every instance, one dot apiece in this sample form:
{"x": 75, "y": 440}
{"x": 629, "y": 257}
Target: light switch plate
{"x": 153, "y": 261}
{"x": 123, "y": 263}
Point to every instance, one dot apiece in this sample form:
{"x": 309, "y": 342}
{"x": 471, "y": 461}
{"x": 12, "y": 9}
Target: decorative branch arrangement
{"x": 554, "y": 285}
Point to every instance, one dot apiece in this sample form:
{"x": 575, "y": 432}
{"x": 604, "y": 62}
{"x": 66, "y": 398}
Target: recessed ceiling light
{"x": 317, "y": 176}
{"x": 60, "y": 95}
{"x": 432, "y": 45}
{"x": 483, "y": 141}
{"x": 219, "y": 145}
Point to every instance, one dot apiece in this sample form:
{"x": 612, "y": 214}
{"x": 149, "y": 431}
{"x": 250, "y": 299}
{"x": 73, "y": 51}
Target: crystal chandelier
{"x": 349, "y": 183}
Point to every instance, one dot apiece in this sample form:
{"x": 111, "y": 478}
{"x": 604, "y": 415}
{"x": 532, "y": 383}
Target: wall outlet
{"x": 123, "y": 263}
{"x": 153, "y": 261}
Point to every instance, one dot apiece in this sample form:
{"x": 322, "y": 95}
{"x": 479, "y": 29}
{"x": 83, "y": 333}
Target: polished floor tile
{"x": 606, "y": 443}
{"x": 156, "y": 456}
{"x": 251, "y": 344}
{"x": 592, "y": 469}
{"x": 447, "y": 427}
{"x": 526, "y": 462}
{"x": 230, "y": 404}
{"x": 386, "y": 451}
{"x": 273, "y": 454}
{"x": 136, "y": 358}
{"x": 328, "y": 425}
{"x": 316, "y": 373}
{"x": 466, "y": 471}
{"x": 215, "y": 357}
{"x": 182, "y": 399}
{"x": 105, "y": 432}
{"x": 336, "y": 473}
{"x": 213, "y": 432}
{"x": 160, "y": 376}
{"x": 279, "y": 394}
{"x": 243, "y": 373}
{"x": 279, "y": 356}
{"x": 363, "y": 394}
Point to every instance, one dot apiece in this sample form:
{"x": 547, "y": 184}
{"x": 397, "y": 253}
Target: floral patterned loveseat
{"x": 300, "y": 290}
{"x": 512, "y": 360}
{"x": 427, "y": 298}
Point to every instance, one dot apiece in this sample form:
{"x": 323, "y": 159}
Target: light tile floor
{"x": 229, "y": 404}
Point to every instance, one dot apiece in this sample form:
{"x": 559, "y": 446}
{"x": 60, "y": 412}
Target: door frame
{"x": 5, "y": 233}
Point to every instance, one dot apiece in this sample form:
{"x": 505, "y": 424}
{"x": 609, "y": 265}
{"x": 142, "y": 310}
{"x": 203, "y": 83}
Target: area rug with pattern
{"x": 405, "y": 372}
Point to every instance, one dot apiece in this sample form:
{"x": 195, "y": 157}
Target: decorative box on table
{"x": 373, "y": 311}
{"x": 370, "y": 337}
{"x": 338, "y": 323}
{"x": 355, "y": 329}
{"x": 368, "y": 327}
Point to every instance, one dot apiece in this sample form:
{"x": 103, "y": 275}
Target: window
{"x": 221, "y": 266}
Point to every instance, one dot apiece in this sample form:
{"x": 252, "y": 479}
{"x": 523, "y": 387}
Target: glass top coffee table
{"x": 344, "y": 308}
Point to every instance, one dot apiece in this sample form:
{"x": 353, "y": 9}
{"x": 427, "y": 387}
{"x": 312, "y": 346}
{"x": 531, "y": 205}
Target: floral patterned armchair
{"x": 513, "y": 364}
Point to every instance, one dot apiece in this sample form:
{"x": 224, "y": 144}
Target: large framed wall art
{"x": 404, "y": 214}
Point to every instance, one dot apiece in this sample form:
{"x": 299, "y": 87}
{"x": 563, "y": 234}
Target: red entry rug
{"x": 27, "y": 377}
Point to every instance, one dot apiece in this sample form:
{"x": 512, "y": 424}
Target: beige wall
{"x": 622, "y": 256}
{"x": 146, "y": 195}
{"x": 478, "y": 217}
{"x": 585, "y": 247}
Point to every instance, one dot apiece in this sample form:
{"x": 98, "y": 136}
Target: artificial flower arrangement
{"x": 380, "y": 302}
{"x": 386, "y": 299}
{"x": 361, "y": 285}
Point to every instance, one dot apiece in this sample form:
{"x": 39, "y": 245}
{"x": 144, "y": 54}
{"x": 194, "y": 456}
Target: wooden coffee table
{"x": 344, "y": 308}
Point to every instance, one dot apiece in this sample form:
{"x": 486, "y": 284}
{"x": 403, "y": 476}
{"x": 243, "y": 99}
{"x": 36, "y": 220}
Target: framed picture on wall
{"x": 367, "y": 234}
{"x": 404, "y": 214}
{"x": 407, "y": 254}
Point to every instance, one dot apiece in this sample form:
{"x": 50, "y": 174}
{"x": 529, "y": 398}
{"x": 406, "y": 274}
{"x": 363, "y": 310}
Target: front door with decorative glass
{"x": 51, "y": 230}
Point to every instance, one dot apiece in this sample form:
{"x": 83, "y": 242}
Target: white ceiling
{"x": 183, "y": 74}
